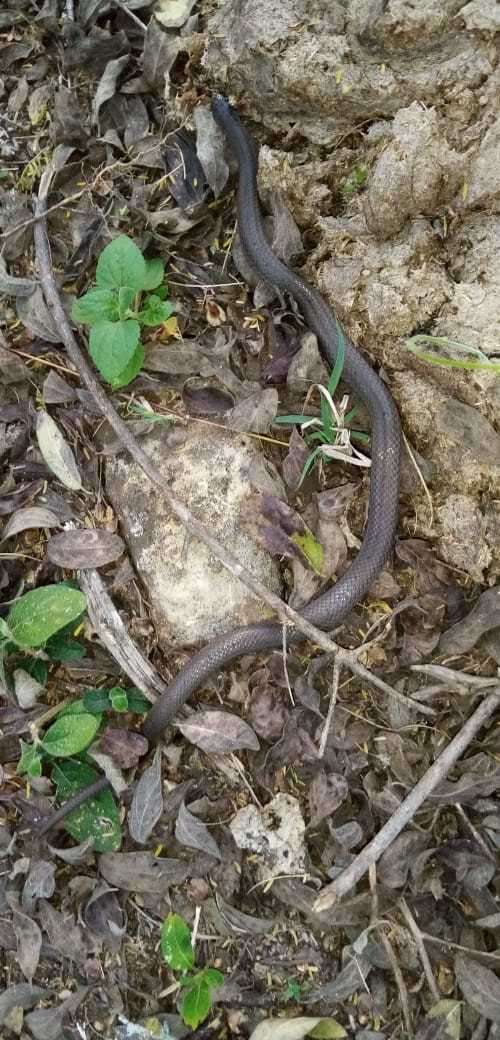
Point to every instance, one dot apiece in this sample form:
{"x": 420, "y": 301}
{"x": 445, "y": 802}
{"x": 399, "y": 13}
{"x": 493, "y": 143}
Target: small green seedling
{"x": 43, "y": 621}
{"x": 330, "y": 434}
{"x": 63, "y": 748}
{"x": 442, "y": 345}
{"x": 354, "y": 182}
{"x": 197, "y": 987}
{"x": 129, "y": 293}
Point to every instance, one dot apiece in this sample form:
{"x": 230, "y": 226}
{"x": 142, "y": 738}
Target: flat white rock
{"x": 192, "y": 596}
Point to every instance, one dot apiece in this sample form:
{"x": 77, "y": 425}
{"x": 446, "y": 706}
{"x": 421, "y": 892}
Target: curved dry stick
{"x": 411, "y": 804}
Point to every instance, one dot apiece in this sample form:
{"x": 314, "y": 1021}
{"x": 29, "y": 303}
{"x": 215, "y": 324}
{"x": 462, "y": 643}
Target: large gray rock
{"x": 192, "y": 596}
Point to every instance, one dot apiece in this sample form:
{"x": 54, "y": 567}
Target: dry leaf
{"x": 56, "y": 452}
{"x": 29, "y": 944}
{"x": 84, "y": 549}
{"x": 480, "y": 987}
{"x": 29, "y": 518}
{"x": 147, "y": 803}
{"x": 142, "y": 872}
{"x": 218, "y": 731}
{"x": 23, "y": 995}
{"x": 192, "y": 832}
{"x": 326, "y": 793}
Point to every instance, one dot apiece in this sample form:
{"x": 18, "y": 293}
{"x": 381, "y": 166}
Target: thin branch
{"x": 331, "y": 708}
{"x": 410, "y": 806}
{"x": 126, "y": 10}
{"x": 419, "y": 942}
{"x": 400, "y": 982}
{"x": 478, "y": 838}
{"x": 114, "y": 636}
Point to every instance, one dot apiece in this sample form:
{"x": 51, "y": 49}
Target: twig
{"x": 400, "y": 982}
{"x": 285, "y": 667}
{"x": 331, "y": 708}
{"x": 126, "y": 10}
{"x": 114, "y": 636}
{"x": 411, "y": 804}
{"x": 449, "y": 675}
{"x": 473, "y": 830}
{"x": 41, "y": 215}
{"x": 419, "y": 942}
{"x": 422, "y": 480}
{"x": 346, "y": 658}
{"x": 478, "y": 954}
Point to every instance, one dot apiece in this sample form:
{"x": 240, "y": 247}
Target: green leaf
{"x": 70, "y": 734}
{"x": 293, "y": 989}
{"x": 137, "y": 702}
{"x": 308, "y": 464}
{"x": 38, "y": 669}
{"x": 63, "y": 648}
{"x": 75, "y": 708}
{"x": 155, "y": 311}
{"x": 98, "y": 817}
{"x": 213, "y": 978}
{"x": 131, "y": 370}
{"x": 121, "y": 264}
{"x": 196, "y": 1002}
{"x": 311, "y": 548}
{"x": 155, "y": 270}
{"x": 97, "y": 305}
{"x": 112, "y": 345}
{"x": 333, "y": 382}
{"x": 291, "y": 419}
{"x": 126, "y": 298}
{"x": 37, "y": 615}
{"x": 175, "y": 943}
{"x": 328, "y": 1029}
{"x": 30, "y": 761}
{"x": 119, "y": 699}
{"x": 97, "y": 701}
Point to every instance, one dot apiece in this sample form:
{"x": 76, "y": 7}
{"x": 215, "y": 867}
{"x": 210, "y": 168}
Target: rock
{"x": 389, "y": 287}
{"x": 462, "y": 540}
{"x": 276, "y": 834}
{"x": 457, "y": 438}
{"x": 329, "y": 65}
{"x": 482, "y": 14}
{"x": 484, "y": 186}
{"x": 192, "y": 596}
{"x": 415, "y": 174}
{"x": 472, "y": 315}
{"x": 483, "y": 618}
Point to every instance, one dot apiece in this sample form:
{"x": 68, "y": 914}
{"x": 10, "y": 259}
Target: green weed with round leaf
{"x": 129, "y": 294}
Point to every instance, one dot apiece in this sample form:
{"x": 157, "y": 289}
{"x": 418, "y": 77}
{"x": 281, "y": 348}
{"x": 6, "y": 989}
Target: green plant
{"x": 482, "y": 361}
{"x": 197, "y": 986}
{"x": 354, "y": 181}
{"x": 329, "y": 433}
{"x": 63, "y": 748}
{"x": 128, "y": 294}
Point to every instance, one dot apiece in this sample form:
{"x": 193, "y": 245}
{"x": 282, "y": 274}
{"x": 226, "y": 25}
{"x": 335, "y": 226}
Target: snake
{"x": 331, "y": 607}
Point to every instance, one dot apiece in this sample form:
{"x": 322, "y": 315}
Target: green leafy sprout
{"x": 129, "y": 293}
{"x": 42, "y": 621}
{"x": 354, "y": 182}
{"x": 330, "y": 434}
{"x": 197, "y": 986}
{"x": 442, "y": 346}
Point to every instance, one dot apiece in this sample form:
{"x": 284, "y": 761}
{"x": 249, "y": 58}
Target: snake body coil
{"x": 332, "y": 606}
